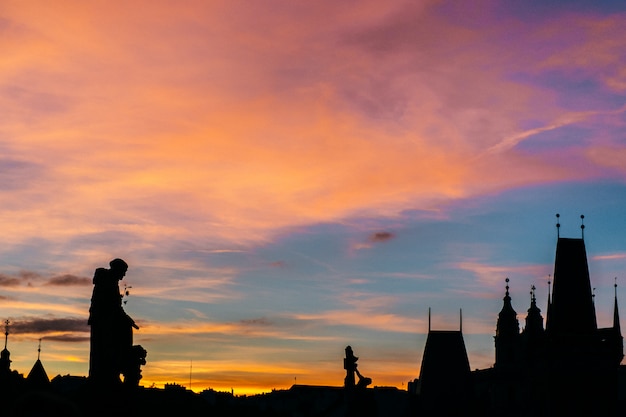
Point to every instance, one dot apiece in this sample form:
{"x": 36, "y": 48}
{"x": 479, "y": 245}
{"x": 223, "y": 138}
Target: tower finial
{"x": 582, "y": 225}
{"x": 593, "y": 295}
{"x": 6, "y": 333}
{"x": 558, "y": 225}
{"x": 39, "y": 349}
{"x": 549, "y": 288}
{"x": 532, "y": 293}
{"x": 507, "y": 286}
{"x": 616, "y": 325}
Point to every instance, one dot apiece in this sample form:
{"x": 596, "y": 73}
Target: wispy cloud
{"x": 8, "y": 281}
{"x": 48, "y": 325}
{"x": 609, "y": 257}
{"x": 69, "y": 338}
{"x": 34, "y": 279}
{"x": 68, "y": 280}
{"x": 493, "y": 276}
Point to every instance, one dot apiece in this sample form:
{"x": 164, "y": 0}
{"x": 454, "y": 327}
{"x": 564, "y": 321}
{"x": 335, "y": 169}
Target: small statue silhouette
{"x": 358, "y": 400}
{"x": 112, "y": 352}
{"x": 349, "y": 364}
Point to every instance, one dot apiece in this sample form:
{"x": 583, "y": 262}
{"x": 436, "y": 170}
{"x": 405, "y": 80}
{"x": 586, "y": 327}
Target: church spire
{"x": 5, "y": 355}
{"x": 534, "y": 321}
{"x": 507, "y": 333}
{"x": 616, "y": 325}
{"x": 507, "y": 318}
{"x": 593, "y": 302}
{"x": 549, "y": 306}
{"x": 6, "y": 333}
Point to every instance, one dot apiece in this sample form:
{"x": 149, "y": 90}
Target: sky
{"x": 289, "y": 178}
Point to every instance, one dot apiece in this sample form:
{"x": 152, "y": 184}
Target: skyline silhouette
{"x": 286, "y": 179}
{"x": 570, "y": 309}
{"x": 570, "y": 367}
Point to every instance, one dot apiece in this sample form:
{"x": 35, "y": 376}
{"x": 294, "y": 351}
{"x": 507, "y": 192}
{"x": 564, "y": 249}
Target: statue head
{"x": 119, "y": 267}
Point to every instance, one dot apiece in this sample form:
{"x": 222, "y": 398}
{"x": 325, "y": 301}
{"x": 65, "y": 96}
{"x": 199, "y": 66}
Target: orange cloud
{"x": 200, "y": 140}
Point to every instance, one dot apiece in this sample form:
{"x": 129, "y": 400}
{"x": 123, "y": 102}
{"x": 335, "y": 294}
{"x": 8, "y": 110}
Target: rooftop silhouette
{"x": 569, "y": 368}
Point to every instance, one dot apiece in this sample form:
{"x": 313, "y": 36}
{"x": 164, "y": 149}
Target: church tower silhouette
{"x": 571, "y": 367}
{"x": 507, "y": 339}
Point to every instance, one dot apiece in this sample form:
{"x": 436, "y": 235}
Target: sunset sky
{"x": 286, "y": 178}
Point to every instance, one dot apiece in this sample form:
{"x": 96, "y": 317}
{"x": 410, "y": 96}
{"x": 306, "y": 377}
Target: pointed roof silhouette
{"x": 534, "y": 321}
{"x": 507, "y": 324}
{"x": 37, "y": 375}
{"x": 616, "y": 325}
{"x": 445, "y": 367}
{"x": 571, "y": 310}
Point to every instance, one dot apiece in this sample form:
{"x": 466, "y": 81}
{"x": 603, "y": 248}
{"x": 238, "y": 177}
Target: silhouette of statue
{"x": 349, "y": 364}
{"x": 112, "y": 352}
{"x": 359, "y": 402}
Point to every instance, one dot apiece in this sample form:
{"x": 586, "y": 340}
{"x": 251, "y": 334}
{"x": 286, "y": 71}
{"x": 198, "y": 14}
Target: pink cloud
{"x": 381, "y": 121}
{"x": 610, "y": 257}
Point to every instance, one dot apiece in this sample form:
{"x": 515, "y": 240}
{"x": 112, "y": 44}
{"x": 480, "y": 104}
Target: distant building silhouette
{"x": 37, "y": 377}
{"x": 11, "y": 381}
{"x": 5, "y": 355}
{"x": 445, "y": 376}
{"x": 569, "y": 368}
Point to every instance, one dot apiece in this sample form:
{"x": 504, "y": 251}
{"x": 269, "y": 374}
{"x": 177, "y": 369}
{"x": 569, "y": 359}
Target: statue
{"x": 359, "y": 402}
{"x": 350, "y": 365}
{"x": 112, "y": 352}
